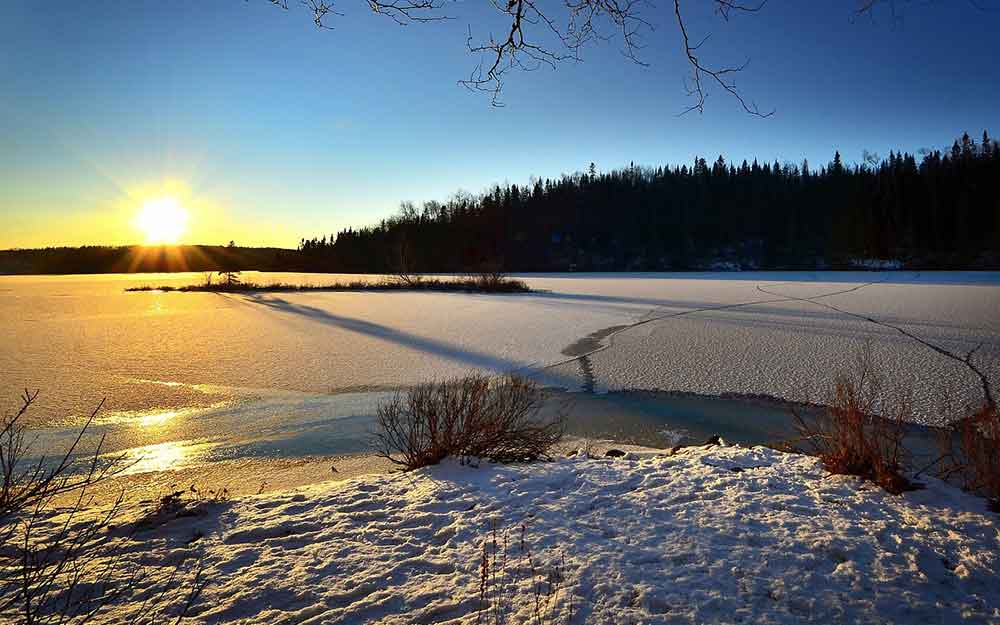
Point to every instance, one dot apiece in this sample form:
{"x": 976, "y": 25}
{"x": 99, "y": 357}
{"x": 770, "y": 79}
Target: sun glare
{"x": 162, "y": 220}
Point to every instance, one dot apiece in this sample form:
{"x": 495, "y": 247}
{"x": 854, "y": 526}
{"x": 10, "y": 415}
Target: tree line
{"x": 943, "y": 212}
{"x": 146, "y": 259}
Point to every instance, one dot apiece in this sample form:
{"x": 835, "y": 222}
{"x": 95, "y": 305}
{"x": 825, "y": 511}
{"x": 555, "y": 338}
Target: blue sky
{"x": 270, "y": 129}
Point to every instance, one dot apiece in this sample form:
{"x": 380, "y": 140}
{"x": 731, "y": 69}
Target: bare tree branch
{"x": 64, "y": 564}
{"x": 722, "y": 76}
{"x": 540, "y": 36}
{"x": 868, "y": 8}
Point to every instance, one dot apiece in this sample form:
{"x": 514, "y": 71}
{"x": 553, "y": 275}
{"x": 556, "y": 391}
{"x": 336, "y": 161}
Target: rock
{"x": 714, "y": 440}
{"x": 614, "y": 453}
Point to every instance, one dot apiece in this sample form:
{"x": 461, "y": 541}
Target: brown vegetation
{"x": 494, "y": 418}
{"x": 971, "y": 453}
{"x": 851, "y": 438}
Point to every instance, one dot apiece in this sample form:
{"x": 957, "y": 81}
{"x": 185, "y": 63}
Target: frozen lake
{"x": 189, "y": 375}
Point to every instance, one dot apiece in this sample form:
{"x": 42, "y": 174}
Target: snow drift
{"x": 706, "y": 535}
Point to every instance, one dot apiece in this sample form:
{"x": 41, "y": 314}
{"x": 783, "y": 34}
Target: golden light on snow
{"x": 162, "y": 220}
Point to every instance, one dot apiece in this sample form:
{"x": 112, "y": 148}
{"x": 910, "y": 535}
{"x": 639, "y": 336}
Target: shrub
{"x": 474, "y": 416}
{"x": 495, "y": 282}
{"x": 491, "y": 279}
{"x": 972, "y": 453}
{"x": 851, "y": 438}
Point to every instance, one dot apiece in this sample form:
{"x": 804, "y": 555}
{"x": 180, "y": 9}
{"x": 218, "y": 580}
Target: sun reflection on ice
{"x": 157, "y": 418}
{"x": 167, "y": 456}
{"x": 149, "y": 420}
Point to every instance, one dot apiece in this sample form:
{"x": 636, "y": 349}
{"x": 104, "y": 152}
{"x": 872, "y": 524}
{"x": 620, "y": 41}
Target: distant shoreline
{"x": 138, "y": 259}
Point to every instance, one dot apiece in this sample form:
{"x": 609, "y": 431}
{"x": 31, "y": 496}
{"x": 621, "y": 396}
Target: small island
{"x": 480, "y": 283}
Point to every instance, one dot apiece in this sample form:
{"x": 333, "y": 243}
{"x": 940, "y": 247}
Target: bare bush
{"x": 852, "y": 438}
{"x": 490, "y": 275}
{"x": 68, "y": 564}
{"x": 508, "y": 571}
{"x": 494, "y": 281}
{"x": 474, "y": 416}
{"x": 971, "y": 453}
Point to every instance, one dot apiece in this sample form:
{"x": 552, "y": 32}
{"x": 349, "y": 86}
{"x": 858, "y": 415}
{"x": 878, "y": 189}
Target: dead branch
{"x": 869, "y": 8}
{"x": 67, "y": 565}
{"x": 540, "y": 36}
{"x": 722, "y": 76}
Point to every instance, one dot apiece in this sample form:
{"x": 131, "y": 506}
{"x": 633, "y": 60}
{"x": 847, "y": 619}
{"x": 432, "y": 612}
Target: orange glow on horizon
{"x": 158, "y": 213}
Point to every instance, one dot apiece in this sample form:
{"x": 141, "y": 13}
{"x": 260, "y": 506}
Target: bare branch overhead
{"x": 540, "y": 36}
{"x": 869, "y": 8}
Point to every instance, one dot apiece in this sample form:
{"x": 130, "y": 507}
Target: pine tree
{"x": 719, "y": 168}
{"x": 943, "y": 211}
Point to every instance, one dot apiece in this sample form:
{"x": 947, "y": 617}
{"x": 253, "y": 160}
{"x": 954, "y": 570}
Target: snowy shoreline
{"x": 709, "y": 534}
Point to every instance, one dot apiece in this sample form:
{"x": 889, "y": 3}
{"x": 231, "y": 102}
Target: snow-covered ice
{"x": 788, "y": 335}
{"x": 708, "y": 535}
{"x": 199, "y": 367}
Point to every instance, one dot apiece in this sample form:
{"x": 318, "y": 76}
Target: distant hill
{"x": 146, "y": 259}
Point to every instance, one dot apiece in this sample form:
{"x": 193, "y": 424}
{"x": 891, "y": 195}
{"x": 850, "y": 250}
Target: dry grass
{"x": 475, "y": 416}
{"x": 851, "y": 438}
{"x": 508, "y": 570}
{"x": 178, "y": 504}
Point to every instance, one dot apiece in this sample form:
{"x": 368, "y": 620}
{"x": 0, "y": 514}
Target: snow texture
{"x": 707, "y": 535}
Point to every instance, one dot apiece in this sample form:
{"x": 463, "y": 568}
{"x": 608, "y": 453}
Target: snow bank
{"x": 718, "y": 534}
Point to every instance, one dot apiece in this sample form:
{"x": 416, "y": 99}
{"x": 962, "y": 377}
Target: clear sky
{"x": 267, "y": 129}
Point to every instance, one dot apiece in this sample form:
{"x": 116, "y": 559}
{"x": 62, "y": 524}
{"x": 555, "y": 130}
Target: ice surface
{"x": 788, "y": 338}
{"x": 709, "y": 535}
{"x": 186, "y": 355}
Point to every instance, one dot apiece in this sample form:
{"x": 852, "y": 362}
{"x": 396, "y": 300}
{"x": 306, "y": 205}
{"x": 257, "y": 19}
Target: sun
{"x": 162, "y": 220}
